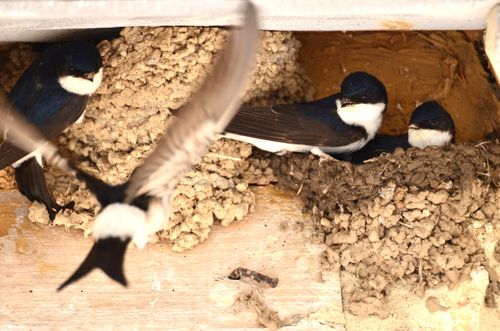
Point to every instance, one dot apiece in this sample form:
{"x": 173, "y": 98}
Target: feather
{"x": 313, "y": 123}
{"x": 205, "y": 115}
{"x": 25, "y": 136}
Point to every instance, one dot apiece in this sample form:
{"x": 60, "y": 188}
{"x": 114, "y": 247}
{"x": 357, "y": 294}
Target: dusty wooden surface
{"x": 168, "y": 290}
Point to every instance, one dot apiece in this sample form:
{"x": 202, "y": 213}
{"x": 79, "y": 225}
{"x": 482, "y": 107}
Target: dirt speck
{"x": 396, "y": 24}
{"x": 38, "y": 214}
{"x": 432, "y": 303}
{"x": 22, "y": 245}
{"x": 254, "y": 300}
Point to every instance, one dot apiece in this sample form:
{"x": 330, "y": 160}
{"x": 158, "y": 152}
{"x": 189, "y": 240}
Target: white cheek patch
{"x": 36, "y": 154}
{"x": 79, "y": 85}
{"x": 367, "y": 115}
{"x": 423, "y": 138}
{"x": 122, "y": 221}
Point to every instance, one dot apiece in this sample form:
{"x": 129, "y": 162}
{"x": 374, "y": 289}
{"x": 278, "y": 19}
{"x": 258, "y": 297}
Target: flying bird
{"x": 51, "y": 95}
{"x": 341, "y": 123}
{"x": 430, "y": 125}
{"x": 136, "y": 209}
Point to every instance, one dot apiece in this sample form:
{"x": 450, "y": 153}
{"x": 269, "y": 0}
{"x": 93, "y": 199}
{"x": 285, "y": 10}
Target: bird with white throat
{"x": 340, "y": 123}
{"x": 430, "y": 126}
{"x": 137, "y": 209}
{"x": 51, "y": 94}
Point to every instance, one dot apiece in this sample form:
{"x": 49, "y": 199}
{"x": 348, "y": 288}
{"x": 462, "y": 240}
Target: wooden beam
{"x": 168, "y": 290}
{"x": 48, "y": 20}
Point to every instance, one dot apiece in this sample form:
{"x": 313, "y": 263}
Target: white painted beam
{"x": 44, "y": 20}
{"x": 492, "y": 40}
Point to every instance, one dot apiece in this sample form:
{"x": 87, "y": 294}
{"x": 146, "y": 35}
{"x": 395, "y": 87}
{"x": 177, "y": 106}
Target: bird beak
{"x": 345, "y": 102}
{"x": 106, "y": 254}
{"x": 413, "y": 127}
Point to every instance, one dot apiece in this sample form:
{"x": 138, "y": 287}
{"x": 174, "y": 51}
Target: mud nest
{"x": 149, "y": 73}
{"x": 412, "y": 216}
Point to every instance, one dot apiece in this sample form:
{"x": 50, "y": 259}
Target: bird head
{"x": 79, "y": 67}
{"x": 362, "y": 101}
{"x": 362, "y": 88}
{"x": 431, "y": 125}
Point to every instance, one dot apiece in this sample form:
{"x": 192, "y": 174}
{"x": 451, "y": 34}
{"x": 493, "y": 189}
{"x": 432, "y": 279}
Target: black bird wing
{"x": 106, "y": 254}
{"x": 70, "y": 111}
{"x": 205, "y": 115}
{"x": 31, "y": 182}
{"x": 38, "y": 98}
{"x": 27, "y": 137}
{"x": 314, "y": 123}
{"x": 10, "y": 154}
{"x": 185, "y": 142}
{"x": 68, "y": 114}
{"x": 375, "y": 147}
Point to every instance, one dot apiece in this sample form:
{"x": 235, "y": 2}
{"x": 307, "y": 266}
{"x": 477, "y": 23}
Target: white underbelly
{"x": 280, "y": 147}
{"x": 81, "y": 118}
{"x": 352, "y": 147}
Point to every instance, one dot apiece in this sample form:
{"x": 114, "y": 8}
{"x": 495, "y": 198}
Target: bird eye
{"x": 432, "y": 123}
{"x": 346, "y": 102}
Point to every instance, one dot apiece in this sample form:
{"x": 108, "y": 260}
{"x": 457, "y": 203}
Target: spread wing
{"x": 205, "y": 115}
{"x": 313, "y": 123}
{"x": 51, "y": 128}
{"x": 41, "y": 102}
{"x": 10, "y": 154}
{"x": 23, "y": 136}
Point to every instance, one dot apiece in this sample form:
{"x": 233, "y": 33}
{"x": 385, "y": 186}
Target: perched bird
{"x": 136, "y": 209}
{"x": 51, "y": 95}
{"x": 430, "y": 125}
{"x": 340, "y": 123}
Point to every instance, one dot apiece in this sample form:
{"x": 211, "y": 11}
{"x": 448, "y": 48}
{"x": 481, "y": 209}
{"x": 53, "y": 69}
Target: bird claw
{"x": 53, "y": 210}
{"x": 322, "y": 155}
{"x": 325, "y": 157}
{"x": 69, "y": 205}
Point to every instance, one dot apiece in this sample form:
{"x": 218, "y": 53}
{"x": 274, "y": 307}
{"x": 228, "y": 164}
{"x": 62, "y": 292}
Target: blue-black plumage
{"x": 341, "y": 123}
{"x": 430, "y": 125}
{"x": 138, "y": 208}
{"x": 51, "y": 94}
